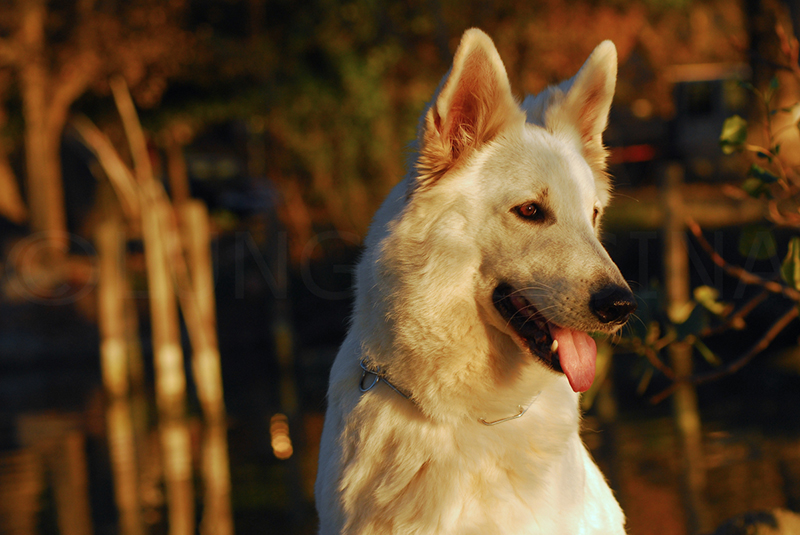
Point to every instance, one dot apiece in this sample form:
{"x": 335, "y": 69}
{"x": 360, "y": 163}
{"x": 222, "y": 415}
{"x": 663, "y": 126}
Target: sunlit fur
{"x": 445, "y": 237}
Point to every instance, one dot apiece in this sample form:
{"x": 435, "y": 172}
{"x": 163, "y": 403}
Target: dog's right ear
{"x": 473, "y": 104}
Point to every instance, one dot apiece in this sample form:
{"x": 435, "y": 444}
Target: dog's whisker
{"x": 634, "y": 283}
{"x": 637, "y": 318}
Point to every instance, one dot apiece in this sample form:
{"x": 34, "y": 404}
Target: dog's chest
{"x": 487, "y": 483}
{"x": 514, "y": 494}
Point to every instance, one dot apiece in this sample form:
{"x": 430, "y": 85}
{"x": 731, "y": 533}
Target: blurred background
{"x": 185, "y": 185}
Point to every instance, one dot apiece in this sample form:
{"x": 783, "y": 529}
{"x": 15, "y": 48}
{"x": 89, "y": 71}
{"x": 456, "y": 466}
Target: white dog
{"x": 453, "y": 402}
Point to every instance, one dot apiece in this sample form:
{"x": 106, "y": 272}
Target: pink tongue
{"x": 577, "y": 353}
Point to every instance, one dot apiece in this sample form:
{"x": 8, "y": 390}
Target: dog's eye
{"x": 530, "y": 210}
{"x": 595, "y": 214}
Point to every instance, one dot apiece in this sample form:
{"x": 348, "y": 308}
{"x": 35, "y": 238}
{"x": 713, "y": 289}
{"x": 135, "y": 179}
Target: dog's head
{"x": 501, "y": 213}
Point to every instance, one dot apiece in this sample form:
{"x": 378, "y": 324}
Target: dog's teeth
{"x": 554, "y": 347}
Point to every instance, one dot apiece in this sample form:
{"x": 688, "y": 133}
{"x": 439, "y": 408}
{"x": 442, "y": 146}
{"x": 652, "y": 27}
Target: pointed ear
{"x": 582, "y": 113}
{"x": 473, "y": 104}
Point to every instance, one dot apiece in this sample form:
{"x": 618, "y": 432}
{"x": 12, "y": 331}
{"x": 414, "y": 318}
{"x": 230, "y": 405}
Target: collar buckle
{"x": 377, "y": 375}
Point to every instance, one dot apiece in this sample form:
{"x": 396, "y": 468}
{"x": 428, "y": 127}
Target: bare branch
{"x": 658, "y": 364}
{"x": 737, "y": 272}
{"x": 734, "y": 365}
{"x": 133, "y": 130}
{"x": 70, "y": 83}
{"x": 120, "y": 176}
{"x": 738, "y": 316}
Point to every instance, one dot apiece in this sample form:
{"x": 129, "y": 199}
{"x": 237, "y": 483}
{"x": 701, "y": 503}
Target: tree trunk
{"x": 11, "y": 205}
{"x": 42, "y": 136}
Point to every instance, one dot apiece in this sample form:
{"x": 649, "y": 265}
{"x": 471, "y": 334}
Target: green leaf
{"x": 747, "y": 85}
{"x": 765, "y": 175}
{"x": 769, "y": 94}
{"x": 709, "y": 355}
{"x": 758, "y": 242}
{"x": 708, "y": 297}
{"x": 679, "y": 313}
{"x": 773, "y": 87}
{"x": 734, "y": 134}
{"x": 790, "y": 268}
{"x": 756, "y": 188}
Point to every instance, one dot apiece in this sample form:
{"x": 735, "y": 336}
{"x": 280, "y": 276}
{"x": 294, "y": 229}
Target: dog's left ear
{"x": 474, "y": 103}
{"x": 583, "y": 111}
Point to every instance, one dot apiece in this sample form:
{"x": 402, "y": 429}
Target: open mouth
{"x": 528, "y": 323}
{"x": 562, "y": 349}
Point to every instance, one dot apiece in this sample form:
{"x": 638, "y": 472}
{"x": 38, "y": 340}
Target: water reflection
{"x": 50, "y": 485}
{"x": 52, "y": 453}
{"x": 21, "y": 484}
{"x": 217, "y": 515}
{"x": 122, "y": 453}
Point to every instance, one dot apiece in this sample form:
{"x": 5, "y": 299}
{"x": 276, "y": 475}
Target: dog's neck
{"x": 440, "y": 362}
{"x": 372, "y": 375}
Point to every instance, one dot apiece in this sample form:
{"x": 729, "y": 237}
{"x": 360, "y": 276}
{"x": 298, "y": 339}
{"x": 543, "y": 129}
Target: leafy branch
{"x": 774, "y": 179}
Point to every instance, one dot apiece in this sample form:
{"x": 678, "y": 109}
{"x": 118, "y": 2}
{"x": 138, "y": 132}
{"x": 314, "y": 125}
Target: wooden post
{"x": 112, "y": 290}
{"x": 684, "y": 401}
{"x": 217, "y": 516}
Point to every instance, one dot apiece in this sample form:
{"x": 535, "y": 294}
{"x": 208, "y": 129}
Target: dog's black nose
{"x": 613, "y": 304}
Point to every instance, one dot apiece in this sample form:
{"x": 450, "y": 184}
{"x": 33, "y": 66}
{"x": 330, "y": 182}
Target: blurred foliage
{"x": 770, "y": 145}
{"x": 140, "y": 39}
{"x": 335, "y": 88}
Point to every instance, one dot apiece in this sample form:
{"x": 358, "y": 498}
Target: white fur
{"x": 439, "y": 245}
